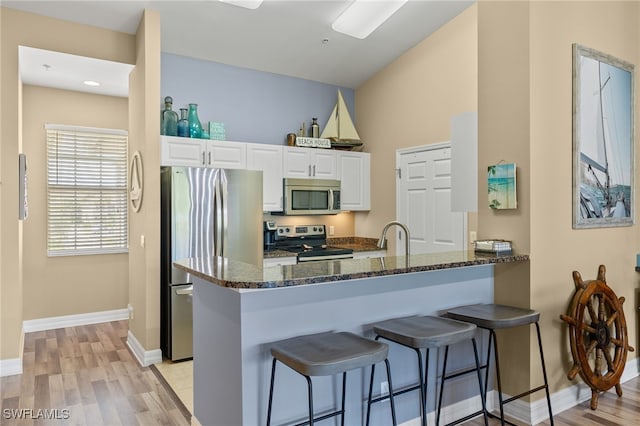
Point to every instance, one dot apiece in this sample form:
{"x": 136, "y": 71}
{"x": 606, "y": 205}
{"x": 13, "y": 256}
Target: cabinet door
{"x": 297, "y": 162}
{"x": 324, "y": 164}
{"x": 314, "y": 163}
{"x": 354, "y": 172}
{"x": 267, "y": 158}
{"x": 226, "y": 155}
{"x": 175, "y": 151}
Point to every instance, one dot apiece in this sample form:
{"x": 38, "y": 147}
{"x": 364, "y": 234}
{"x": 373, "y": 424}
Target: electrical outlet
{"x": 384, "y": 388}
{"x": 332, "y": 230}
{"x": 472, "y": 236}
{"x": 142, "y": 242}
{"x": 130, "y": 308}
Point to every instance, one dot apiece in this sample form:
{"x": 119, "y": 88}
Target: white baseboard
{"x": 52, "y": 323}
{"x": 9, "y": 367}
{"x": 522, "y": 411}
{"x": 145, "y": 358}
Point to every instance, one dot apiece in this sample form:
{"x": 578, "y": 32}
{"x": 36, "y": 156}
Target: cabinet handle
{"x": 203, "y": 162}
{"x": 310, "y": 170}
{"x": 314, "y": 170}
{"x": 209, "y": 157}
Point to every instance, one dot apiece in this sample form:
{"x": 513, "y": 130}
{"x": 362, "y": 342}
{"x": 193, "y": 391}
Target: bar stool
{"x": 327, "y": 354}
{"x": 430, "y": 332}
{"x": 492, "y": 317}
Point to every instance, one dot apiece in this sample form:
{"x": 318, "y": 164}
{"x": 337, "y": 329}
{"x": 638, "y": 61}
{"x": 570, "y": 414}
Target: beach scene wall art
{"x": 501, "y": 179}
{"x": 603, "y": 140}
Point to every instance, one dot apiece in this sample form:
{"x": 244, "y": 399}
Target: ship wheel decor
{"x": 598, "y": 335}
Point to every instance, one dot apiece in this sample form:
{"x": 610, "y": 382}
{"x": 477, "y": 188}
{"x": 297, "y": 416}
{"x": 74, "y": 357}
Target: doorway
{"x": 423, "y": 200}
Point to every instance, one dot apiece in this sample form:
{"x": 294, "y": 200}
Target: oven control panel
{"x": 300, "y": 231}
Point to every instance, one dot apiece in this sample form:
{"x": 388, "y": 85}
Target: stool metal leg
{"x": 423, "y": 385}
{"x": 310, "y": 387}
{"x": 544, "y": 374}
{"x": 482, "y": 395}
{"x": 273, "y": 375}
{"x": 344, "y": 391}
{"x": 444, "y": 371}
{"x": 393, "y": 406}
{"x": 497, "y": 360}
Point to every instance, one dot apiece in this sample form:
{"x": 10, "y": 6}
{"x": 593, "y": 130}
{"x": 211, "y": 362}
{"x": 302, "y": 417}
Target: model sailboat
{"x": 339, "y": 128}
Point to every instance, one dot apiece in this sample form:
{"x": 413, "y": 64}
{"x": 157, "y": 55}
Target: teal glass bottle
{"x": 169, "y": 119}
{"x": 183, "y": 123}
{"x": 195, "y": 128}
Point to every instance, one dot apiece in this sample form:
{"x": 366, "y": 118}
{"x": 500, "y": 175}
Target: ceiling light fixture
{"x": 247, "y": 4}
{"x": 362, "y": 17}
{"x": 91, "y": 83}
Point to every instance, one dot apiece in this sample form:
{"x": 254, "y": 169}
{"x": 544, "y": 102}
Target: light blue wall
{"x": 255, "y": 106}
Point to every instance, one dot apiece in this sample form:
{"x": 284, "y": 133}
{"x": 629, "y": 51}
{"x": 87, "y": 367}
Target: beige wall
{"x": 410, "y": 103}
{"x": 18, "y": 28}
{"x": 75, "y": 284}
{"x": 556, "y": 248}
{"x": 144, "y": 136}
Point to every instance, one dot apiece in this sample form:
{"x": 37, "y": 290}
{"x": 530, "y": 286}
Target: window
{"x": 86, "y": 190}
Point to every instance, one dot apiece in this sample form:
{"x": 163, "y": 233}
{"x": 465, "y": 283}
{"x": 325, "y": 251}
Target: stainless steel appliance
{"x": 204, "y": 212}
{"x": 309, "y": 242}
{"x": 311, "y": 196}
{"x": 269, "y": 238}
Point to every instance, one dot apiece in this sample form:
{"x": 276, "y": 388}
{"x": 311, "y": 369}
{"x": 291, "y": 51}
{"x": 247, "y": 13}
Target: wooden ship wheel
{"x": 598, "y": 335}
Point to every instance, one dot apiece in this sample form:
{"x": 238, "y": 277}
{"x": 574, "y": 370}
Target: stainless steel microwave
{"x": 311, "y": 196}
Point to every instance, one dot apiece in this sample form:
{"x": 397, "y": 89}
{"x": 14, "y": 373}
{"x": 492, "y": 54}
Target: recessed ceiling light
{"x": 362, "y": 17}
{"x": 91, "y": 83}
{"x": 247, "y": 4}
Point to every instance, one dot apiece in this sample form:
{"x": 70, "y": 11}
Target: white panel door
{"x": 424, "y": 201}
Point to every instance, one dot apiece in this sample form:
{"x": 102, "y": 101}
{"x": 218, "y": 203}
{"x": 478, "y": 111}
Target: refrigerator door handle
{"x": 224, "y": 190}
{"x": 185, "y": 291}
{"x": 217, "y": 226}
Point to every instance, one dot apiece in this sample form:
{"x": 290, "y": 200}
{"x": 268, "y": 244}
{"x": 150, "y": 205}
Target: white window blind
{"x": 86, "y": 190}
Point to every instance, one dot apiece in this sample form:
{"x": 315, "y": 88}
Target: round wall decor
{"x": 136, "y": 181}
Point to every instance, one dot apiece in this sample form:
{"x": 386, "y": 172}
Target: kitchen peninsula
{"x": 240, "y": 308}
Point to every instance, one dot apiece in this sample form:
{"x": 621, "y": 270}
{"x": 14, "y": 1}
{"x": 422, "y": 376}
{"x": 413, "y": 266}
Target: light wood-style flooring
{"x": 87, "y": 376}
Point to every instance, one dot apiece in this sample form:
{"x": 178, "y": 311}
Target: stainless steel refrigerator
{"x": 204, "y": 213}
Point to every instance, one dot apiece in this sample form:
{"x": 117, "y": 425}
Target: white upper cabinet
{"x": 310, "y": 163}
{"x": 177, "y": 151}
{"x": 354, "y": 172}
{"x": 226, "y": 155}
{"x": 267, "y": 158}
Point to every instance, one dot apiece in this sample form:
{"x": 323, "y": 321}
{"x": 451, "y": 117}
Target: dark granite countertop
{"x": 240, "y": 275}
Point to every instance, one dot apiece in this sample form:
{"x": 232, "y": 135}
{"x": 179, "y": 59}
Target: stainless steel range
{"x": 309, "y": 242}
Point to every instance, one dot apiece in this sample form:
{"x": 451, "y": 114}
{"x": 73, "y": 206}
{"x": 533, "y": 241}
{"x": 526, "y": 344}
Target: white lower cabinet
{"x": 368, "y": 254}
{"x": 279, "y": 261}
{"x": 267, "y": 158}
{"x": 354, "y": 173}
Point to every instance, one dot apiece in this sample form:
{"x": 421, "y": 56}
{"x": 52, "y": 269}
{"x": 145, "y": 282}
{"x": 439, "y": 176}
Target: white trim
{"x": 521, "y": 411}
{"x": 145, "y": 358}
{"x": 9, "y": 367}
{"x": 52, "y": 323}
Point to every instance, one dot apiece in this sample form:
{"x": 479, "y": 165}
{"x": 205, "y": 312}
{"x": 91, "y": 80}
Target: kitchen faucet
{"x": 382, "y": 241}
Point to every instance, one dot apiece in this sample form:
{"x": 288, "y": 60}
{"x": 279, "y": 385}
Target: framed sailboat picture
{"x": 603, "y": 140}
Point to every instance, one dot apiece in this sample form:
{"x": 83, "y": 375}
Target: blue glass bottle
{"x": 195, "y": 128}
{"x": 169, "y": 119}
{"x": 183, "y": 123}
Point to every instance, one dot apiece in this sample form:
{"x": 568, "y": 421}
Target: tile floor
{"x": 179, "y": 375}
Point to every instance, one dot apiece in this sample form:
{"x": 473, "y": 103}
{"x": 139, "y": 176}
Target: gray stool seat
{"x": 326, "y": 354}
{"x": 430, "y": 332}
{"x": 491, "y": 316}
{"x": 425, "y": 331}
